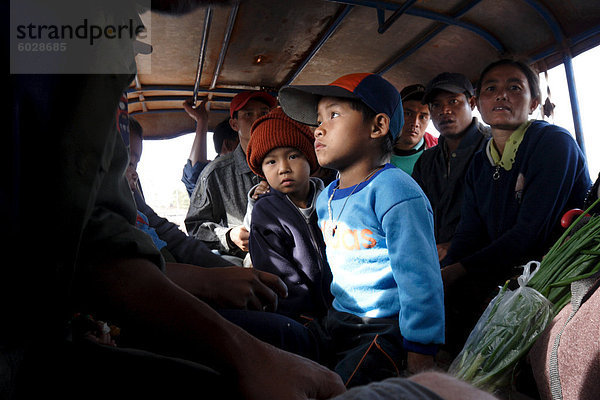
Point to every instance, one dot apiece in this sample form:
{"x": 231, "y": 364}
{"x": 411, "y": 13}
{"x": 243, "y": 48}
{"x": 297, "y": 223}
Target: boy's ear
{"x": 381, "y": 126}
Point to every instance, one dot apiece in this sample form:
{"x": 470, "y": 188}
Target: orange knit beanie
{"x": 278, "y": 130}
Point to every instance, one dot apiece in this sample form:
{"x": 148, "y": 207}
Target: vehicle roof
{"x": 266, "y": 44}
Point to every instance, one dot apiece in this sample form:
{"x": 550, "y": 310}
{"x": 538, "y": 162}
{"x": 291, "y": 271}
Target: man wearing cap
{"x": 219, "y": 201}
{"x": 413, "y": 139}
{"x": 440, "y": 170}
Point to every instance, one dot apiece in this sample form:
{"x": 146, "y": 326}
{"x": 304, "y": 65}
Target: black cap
{"x": 450, "y": 82}
{"x": 222, "y": 132}
{"x": 413, "y": 92}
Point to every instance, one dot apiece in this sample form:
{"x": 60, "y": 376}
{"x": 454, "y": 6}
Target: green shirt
{"x": 407, "y": 162}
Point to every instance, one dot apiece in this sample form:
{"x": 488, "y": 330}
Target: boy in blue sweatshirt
{"x": 388, "y": 308}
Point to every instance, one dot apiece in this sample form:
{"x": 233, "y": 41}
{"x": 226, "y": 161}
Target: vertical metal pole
{"x": 568, "y": 62}
{"x": 202, "y": 53}
{"x": 230, "y": 23}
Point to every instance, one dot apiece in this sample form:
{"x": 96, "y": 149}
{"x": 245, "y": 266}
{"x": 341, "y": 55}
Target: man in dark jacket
{"x": 441, "y": 169}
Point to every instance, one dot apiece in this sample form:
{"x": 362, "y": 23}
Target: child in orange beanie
{"x": 284, "y": 235}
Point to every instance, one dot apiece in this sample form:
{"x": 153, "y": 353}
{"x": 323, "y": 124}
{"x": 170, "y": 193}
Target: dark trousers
{"x": 276, "y": 329}
{"x": 360, "y": 350}
{"x": 464, "y": 303}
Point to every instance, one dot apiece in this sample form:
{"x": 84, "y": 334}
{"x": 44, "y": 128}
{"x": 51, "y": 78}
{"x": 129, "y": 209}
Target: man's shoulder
{"x": 217, "y": 165}
{"x": 432, "y": 151}
{"x": 428, "y": 156}
{"x": 484, "y": 130}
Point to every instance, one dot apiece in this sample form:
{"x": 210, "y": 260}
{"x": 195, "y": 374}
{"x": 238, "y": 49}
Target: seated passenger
{"x": 95, "y": 260}
{"x": 225, "y": 287}
{"x": 516, "y": 191}
{"x": 388, "y": 311}
{"x": 413, "y": 140}
{"x": 218, "y": 204}
{"x": 440, "y": 171}
{"x": 285, "y": 238}
{"x": 225, "y": 140}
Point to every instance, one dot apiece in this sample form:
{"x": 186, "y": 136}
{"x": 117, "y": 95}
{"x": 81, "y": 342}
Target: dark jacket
{"x": 441, "y": 176}
{"x": 286, "y": 243}
{"x": 508, "y": 221}
{"x": 185, "y": 249}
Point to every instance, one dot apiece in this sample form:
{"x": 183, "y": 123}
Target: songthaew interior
{"x": 223, "y": 48}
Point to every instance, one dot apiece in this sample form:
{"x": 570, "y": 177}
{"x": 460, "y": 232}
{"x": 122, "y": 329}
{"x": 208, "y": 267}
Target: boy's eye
{"x": 490, "y": 88}
{"x": 269, "y": 162}
{"x": 334, "y": 114}
{"x": 515, "y": 87}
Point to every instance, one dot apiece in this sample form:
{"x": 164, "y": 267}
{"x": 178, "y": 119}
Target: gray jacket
{"x": 219, "y": 200}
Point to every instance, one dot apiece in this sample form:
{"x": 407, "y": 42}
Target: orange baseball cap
{"x": 300, "y": 102}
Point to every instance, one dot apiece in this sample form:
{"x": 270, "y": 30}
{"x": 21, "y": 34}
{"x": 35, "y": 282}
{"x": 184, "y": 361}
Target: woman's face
{"x": 505, "y": 100}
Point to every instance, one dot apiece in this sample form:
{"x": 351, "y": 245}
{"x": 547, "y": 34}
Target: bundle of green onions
{"x": 573, "y": 257}
{"x": 514, "y": 319}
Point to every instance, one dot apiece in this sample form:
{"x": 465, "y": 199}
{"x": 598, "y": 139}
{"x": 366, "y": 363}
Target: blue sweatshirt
{"x": 383, "y": 255}
{"x": 508, "y": 221}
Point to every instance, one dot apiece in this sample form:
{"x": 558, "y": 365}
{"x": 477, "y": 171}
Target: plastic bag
{"x": 507, "y": 329}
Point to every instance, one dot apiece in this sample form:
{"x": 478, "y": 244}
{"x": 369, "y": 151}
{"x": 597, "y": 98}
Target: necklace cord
{"x": 333, "y": 226}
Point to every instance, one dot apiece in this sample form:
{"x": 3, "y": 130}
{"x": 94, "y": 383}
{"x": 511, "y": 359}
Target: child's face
{"x": 341, "y": 135}
{"x": 287, "y": 170}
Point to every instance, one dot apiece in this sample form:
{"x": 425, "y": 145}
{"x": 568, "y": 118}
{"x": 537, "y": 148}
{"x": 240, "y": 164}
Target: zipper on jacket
{"x": 314, "y": 244}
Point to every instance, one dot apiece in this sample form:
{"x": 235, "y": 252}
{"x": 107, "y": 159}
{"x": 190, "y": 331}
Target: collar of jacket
{"x": 241, "y": 164}
{"x": 473, "y": 134}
